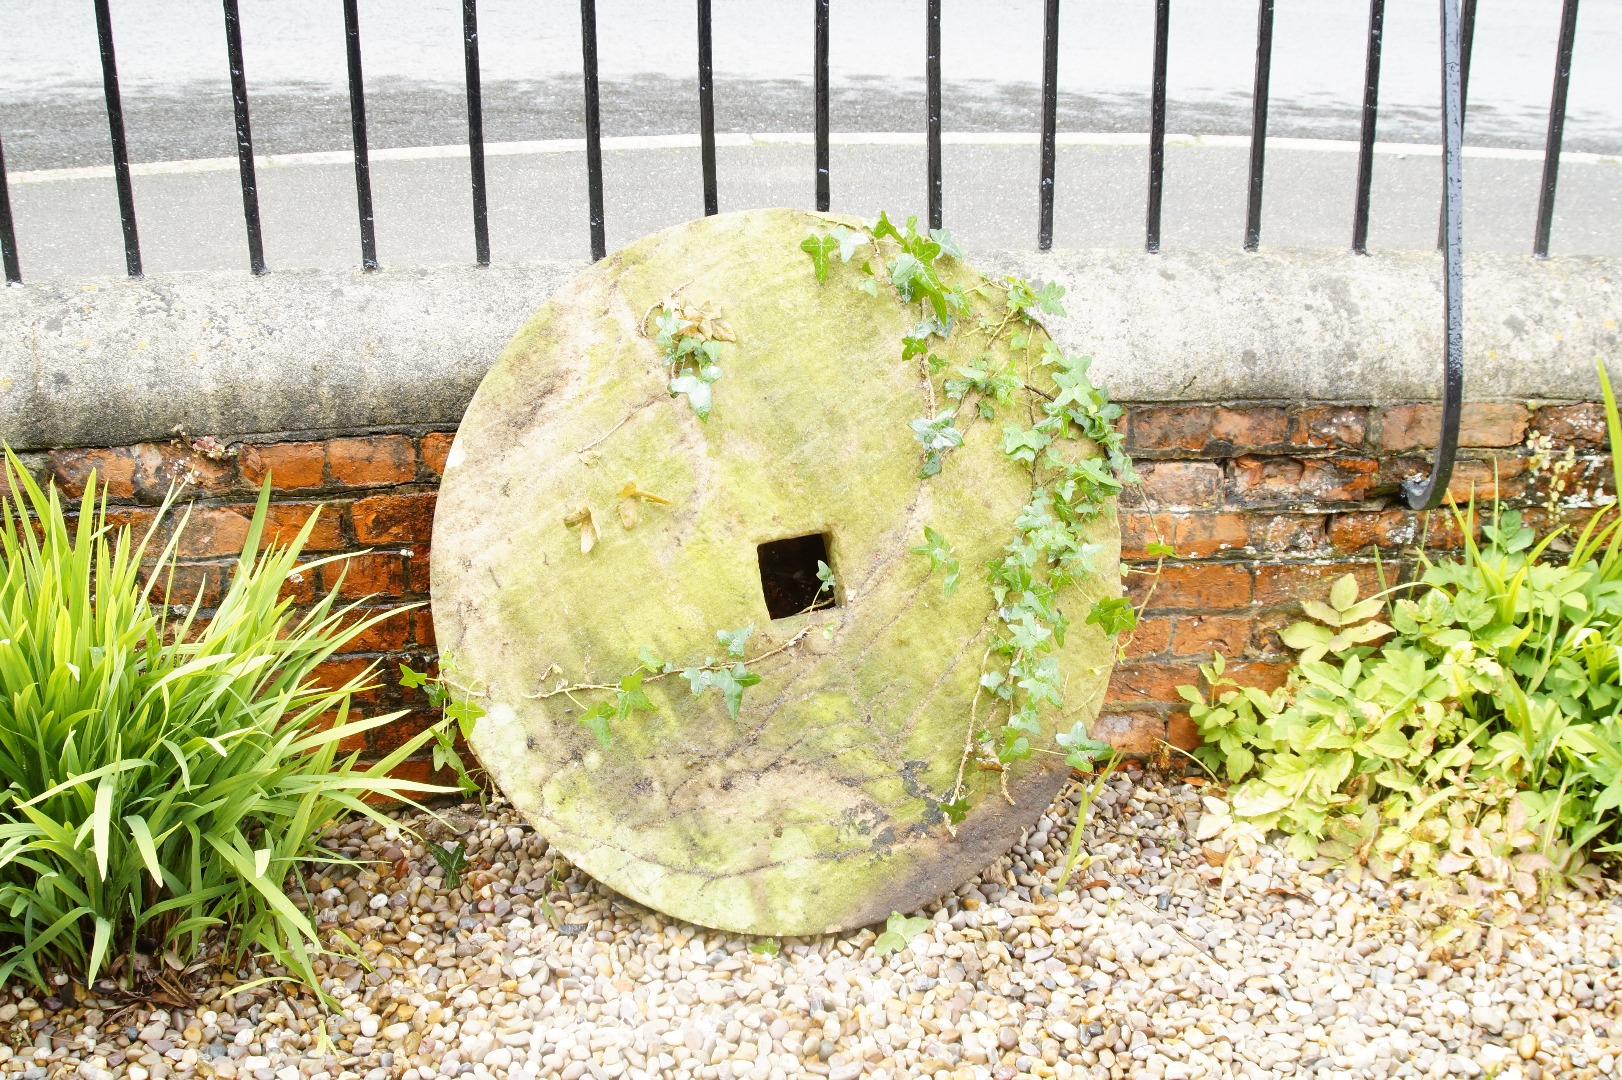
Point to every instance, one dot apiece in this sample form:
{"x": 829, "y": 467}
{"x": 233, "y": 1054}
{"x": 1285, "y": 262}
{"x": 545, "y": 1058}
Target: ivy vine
{"x": 1056, "y": 422}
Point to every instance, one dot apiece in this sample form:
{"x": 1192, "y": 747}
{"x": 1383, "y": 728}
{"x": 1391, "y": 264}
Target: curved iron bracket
{"x": 1427, "y": 494}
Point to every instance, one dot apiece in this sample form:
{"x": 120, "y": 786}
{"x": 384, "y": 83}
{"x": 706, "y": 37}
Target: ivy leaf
{"x": 1048, "y": 299}
{"x": 1114, "y": 615}
{"x": 1022, "y": 445}
{"x": 870, "y": 287}
{"x": 948, "y": 246}
{"x": 1041, "y": 683}
{"x": 411, "y": 679}
{"x": 956, "y": 809}
{"x": 734, "y": 640}
{"x": 819, "y": 248}
{"x": 1157, "y": 550}
{"x": 1082, "y": 750}
{"x": 649, "y": 661}
{"x": 731, "y": 682}
{"x": 595, "y": 720}
{"x": 849, "y": 240}
{"x": 766, "y": 947}
{"x": 466, "y": 714}
{"x": 825, "y": 575}
{"x": 698, "y": 392}
{"x": 630, "y": 697}
{"x": 940, "y": 554}
{"x": 899, "y": 932}
{"x": 699, "y": 679}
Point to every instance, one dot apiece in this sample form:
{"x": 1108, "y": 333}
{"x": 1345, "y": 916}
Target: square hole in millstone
{"x": 788, "y": 575}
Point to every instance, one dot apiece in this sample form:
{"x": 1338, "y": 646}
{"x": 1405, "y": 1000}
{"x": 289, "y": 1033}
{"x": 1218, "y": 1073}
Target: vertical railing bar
{"x": 1557, "y": 125}
{"x": 245, "y": 168}
{"x": 475, "y": 131}
{"x": 1467, "y": 34}
{"x": 594, "y": 126}
{"x": 932, "y": 105}
{"x": 357, "y": 130}
{"x": 115, "y": 129}
{"x": 1157, "y": 127}
{"x": 820, "y": 78}
{"x": 1365, "y": 142}
{"x": 1426, "y": 494}
{"x": 706, "y": 109}
{"x": 1050, "y": 125}
{"x": 8, "y": 232}
{"x": 1258, "y": 123}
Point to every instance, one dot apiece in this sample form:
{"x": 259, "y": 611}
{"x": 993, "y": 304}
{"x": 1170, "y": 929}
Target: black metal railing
{"x": 1457, "y": 35}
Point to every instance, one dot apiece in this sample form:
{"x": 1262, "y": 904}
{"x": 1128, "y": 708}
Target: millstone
{"x": 819, "y": 807}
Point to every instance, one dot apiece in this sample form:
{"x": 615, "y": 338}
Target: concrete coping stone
{"x": 320, "y": 352}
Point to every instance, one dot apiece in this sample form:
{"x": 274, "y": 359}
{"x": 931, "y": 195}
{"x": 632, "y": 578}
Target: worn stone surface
{"x": 817, "y": 808}
{"x": 322, "y": 352}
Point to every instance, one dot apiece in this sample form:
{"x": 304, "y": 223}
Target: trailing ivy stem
{"x": 656, "y": 676}
{"x": 968, "y": 737}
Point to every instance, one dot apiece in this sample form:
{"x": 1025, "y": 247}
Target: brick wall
{"x": 1265, "y": 505}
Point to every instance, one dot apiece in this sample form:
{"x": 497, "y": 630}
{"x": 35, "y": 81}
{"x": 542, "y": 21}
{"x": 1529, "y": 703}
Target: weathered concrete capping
{"x": 322, "y": 352}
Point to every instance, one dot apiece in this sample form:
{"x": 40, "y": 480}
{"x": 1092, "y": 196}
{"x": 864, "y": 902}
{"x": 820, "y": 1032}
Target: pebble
{"x": 1164, "y": 961}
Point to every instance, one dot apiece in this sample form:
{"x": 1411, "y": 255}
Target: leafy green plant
{"x": 451, "y": 861}
{"x": 1467, "y": 727}
{"x": 164, "y": 774}
{"x": 690, "y": 336}
{"x": 462, "y": 716}
{"x": 899, "y": 932}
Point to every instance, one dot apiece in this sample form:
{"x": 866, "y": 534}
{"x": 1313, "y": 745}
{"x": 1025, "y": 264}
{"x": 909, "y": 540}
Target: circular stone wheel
{"x": 818, "y": 808}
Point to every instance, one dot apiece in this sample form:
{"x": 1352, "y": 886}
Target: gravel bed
{"x": 1154, "y": 968}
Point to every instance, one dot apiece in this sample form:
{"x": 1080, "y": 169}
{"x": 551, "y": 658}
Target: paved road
{"x": 192, "y": 220}
{"x": 171, "y": 62}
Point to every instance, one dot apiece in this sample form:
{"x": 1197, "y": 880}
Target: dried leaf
{"x": 588, "y": 528}
{"x": 628, "y": 513}
{"x": 631, "y": 491}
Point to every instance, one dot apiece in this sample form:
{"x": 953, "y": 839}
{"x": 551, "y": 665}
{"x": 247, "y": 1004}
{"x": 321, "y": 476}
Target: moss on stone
{"x": 815, "y": 809}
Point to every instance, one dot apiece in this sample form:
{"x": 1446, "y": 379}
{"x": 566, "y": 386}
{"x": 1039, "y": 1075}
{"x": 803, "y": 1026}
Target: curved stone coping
{"x": 322, "y": 352}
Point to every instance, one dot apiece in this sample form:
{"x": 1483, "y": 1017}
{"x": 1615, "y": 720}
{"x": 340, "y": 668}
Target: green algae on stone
{"x": 818, "y": 807}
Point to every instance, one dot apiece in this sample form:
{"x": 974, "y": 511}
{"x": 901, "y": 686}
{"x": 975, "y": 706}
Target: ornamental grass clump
{"x": 1465, "y": 727}
{"x": 163, "y": 774}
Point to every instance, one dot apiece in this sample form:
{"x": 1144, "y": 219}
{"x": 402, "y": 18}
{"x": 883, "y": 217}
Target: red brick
{"x": 1151, "y": 637}
{"x": 394, "y": 519}
{"x": 1239, "y": 430}
{"x": 191, "y": 581}
{"x": 1202, "y": 535}
{"x": 334, "y": 673}
{"x": 422, "y": 628}
{"x": 377, "y": 573}
{"x": 397, "y": 732}
{"x": 284, "y": 520}
{"x": 1193, "y": 586}
{"x": 162, "y": 466}
{"x": 1201, "y": 635}
{"x": 1281, "y": 481}
{"x": 1169, "y": 427}
{"x": 300, "y": 585}
{"x": 1498, "y": 478}
{"x": 1139, "y": 530}
{"x": 1262, "y": 674}
{"x": 389, "y": 635}
{"x": 1328, "y": 426}
{"x": 1287, "y": 534}
{"x": 297, "y": 466}
{"x": 417, "y": 571}
{"x": 1580, "y": 425}
{"x": 1278, "y": 584}
{"x": 114, "y": 469}
{"x": 1141, "y": 681}
{"x": 1173, "y": 485}
{"x": 1395, "y": 529}
{"x": 1135, "y": 732}
{"x": 1481, "y": 423}
{"x": 1182, "y": 732}
{"x": 138, "y": 520}
{"x": 365, "y": 462}
{"x": 214, "y": 530}
{"x": 435, "y": 448}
